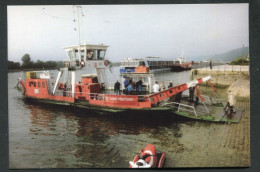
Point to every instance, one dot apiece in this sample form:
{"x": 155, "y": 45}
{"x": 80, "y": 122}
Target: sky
{"x": 130, "y": 31}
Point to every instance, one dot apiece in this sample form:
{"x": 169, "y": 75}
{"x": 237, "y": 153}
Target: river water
{"x": 60, "y": 137}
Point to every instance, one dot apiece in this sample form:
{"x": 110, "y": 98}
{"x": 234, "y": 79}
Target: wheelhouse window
{"x": 90, "y": 55}
{"x": 43, "y": 85}
{"x": 34, "y": 84}
{"x": 39, "y": 84}
{"x": 77, "y": 54}
{"x": 101, "y": 54}
{"x": 82, "y": 53}
{"x": 70, "y": 54}
{"x": 141, "y": 63}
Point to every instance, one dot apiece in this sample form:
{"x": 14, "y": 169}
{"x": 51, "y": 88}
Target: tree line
{"x": 27, "y": 63}
{"x": 240, "y": 61}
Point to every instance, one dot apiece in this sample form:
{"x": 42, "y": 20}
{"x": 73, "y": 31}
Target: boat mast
{"x": 78, "y": 22}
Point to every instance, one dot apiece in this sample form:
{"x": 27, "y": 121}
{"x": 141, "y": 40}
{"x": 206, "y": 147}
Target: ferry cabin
{"x": 86, "y": 56}
{"x": 147, "y": 79}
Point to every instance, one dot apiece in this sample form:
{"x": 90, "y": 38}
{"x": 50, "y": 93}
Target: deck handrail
{"x": 207, "y": 99}
{"x": 99, "y": 94}
{"x": 179, "y": 107}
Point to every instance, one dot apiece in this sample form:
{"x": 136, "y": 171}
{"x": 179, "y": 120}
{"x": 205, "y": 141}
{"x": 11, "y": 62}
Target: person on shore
{"x": 117, "y": 87}
{"x": 231, "y": 103}
{"x": 210, "y": 64}
{"x": 156, "y": 87}
{"x": 170, "y": 84}
{"x": 162, "y": 87}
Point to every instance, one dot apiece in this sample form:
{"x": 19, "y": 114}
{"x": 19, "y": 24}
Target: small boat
{"x": 148, "y": 158}
{"x": 181, "y": 65}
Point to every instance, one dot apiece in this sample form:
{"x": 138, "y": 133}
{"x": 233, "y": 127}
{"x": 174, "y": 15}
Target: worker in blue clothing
{"x": 129, "y": 89}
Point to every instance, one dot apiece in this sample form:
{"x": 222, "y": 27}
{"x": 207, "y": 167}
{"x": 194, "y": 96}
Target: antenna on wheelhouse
{"x": 78, "y": 6}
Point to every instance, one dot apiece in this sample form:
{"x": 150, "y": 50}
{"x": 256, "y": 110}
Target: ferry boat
{"x": 92, "y": 92}
{"x": 155, "y": 64}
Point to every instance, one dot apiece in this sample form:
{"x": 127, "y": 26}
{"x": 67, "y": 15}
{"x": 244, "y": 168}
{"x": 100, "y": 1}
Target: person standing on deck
{"x": 139, "y": 86}
{"x": 170, "y": 84}
{"x": 130, "y": 89}
{"x": 125, "y": 82}
{"x": 156, "y": 87}
{"x": 162, "y": 87}
{"x": 196, "y": 97}
{"x": 191, "y": 93}
{"x": 178, "y": 97}
{"x": 125, "y": 85}
{"x": 117, "y": 87}
{"x": 130, "y": 81}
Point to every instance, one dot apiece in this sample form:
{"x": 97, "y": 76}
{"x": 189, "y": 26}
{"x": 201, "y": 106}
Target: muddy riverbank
{"x": 236, "y": 81}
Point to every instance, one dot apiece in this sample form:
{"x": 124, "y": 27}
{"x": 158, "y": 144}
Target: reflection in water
{"x": 91, "y": 145}
{"x": 66, "y": 137}
{"x": 169, "y": 137}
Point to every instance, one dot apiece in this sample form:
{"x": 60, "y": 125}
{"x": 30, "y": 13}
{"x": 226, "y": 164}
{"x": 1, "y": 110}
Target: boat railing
{"x": 97, "y": 96}
{"x": 63, "y": 93}
{"x": 183, "y": 107}
{"x": 207, "y": 99}
{"x": 212, "y": 100}
{"x": 110, "y": 85}
{"x": 218, "y": 100}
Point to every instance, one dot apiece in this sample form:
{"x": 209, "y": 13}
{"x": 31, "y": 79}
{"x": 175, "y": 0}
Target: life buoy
{"x": 61, "y": 86}
{"x": 106, "y": 62}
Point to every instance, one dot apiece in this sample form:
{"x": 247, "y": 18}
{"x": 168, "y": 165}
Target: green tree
{"x": 39, "y": 64}
{"x": 240, "y": 61}
{"x": 26, "y": 60}
{"x": 13, "y": 65}
{"x": 50, "y": 64}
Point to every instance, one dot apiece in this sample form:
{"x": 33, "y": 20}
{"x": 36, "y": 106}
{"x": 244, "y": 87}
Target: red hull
{"x": 38, "y": 88}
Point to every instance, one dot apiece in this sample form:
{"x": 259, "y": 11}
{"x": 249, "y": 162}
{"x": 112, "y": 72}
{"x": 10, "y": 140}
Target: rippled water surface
{"x": 60, "y": 137}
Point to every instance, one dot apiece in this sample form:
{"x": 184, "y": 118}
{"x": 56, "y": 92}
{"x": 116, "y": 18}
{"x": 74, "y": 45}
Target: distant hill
{"x": 231, "y": 55}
